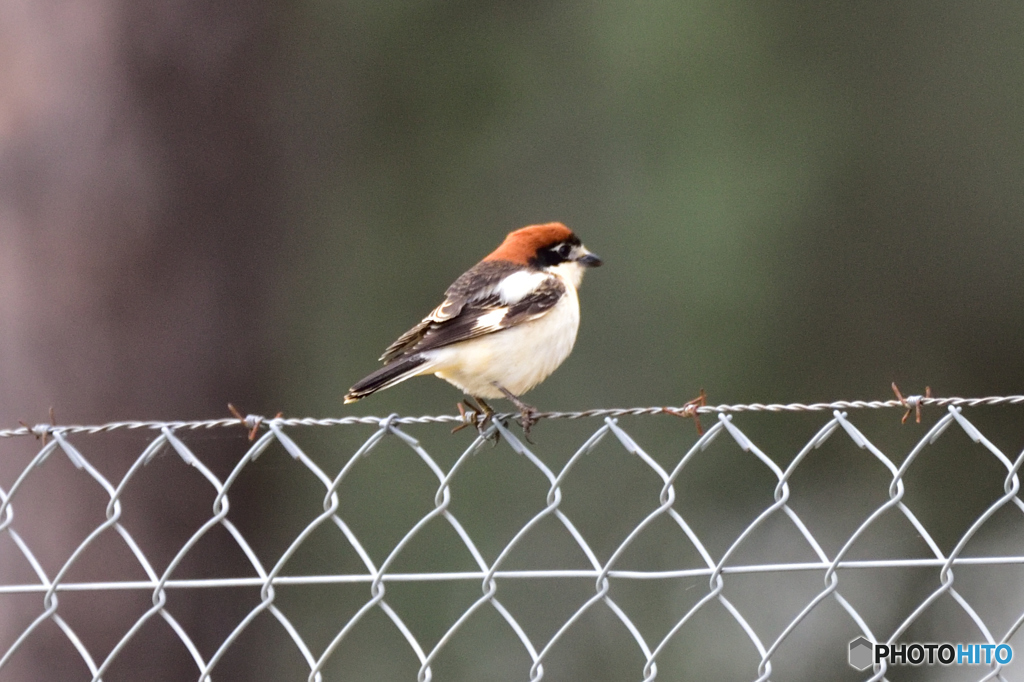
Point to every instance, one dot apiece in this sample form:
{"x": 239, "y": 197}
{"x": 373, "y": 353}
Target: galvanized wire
{"x": 267, "y": 577}
{"x": 258, "y": 421}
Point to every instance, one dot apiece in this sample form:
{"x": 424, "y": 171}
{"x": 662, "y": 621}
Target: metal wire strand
{"x": 259, "y": 421}
{"x": 602, "y": 569}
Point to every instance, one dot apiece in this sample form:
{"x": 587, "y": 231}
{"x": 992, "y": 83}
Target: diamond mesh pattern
{"x": 706, "y": 559}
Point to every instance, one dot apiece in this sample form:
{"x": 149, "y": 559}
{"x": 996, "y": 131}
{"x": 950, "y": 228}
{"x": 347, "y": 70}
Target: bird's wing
{"x": 477, "y": 304}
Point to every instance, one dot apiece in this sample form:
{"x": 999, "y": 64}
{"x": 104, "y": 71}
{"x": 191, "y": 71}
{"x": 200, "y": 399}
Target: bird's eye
{"x": 564, "y": 250}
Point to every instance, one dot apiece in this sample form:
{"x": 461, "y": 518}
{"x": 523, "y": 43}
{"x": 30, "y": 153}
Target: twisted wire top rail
{"x": 256, "y": 421}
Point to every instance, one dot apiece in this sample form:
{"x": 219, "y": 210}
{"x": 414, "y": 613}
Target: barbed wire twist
{"x": 258, "y": 421}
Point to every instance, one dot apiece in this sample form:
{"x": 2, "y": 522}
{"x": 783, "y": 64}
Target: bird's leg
{"x": 487, "y": 412}
{"x": 527, "y": 413}
{"x": 486, "y": 421}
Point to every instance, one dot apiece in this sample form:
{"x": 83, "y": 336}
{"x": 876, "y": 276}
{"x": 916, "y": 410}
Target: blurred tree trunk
{"x": 138, "y": 198}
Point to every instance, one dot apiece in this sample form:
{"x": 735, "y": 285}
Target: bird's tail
{"x": 386, "y": 377}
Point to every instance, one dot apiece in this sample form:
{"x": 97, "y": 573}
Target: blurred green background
{"x": 247, "y": 201}
{"x": 795, "y": 201}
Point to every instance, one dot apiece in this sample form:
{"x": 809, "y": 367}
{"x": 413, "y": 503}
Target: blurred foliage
{"x": 794, "y": 201}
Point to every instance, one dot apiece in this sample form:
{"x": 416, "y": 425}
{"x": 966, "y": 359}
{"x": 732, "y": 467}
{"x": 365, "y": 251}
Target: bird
{"x": 503, "y": 327}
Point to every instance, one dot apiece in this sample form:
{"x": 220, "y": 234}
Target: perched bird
{"x": 504, "y": 326}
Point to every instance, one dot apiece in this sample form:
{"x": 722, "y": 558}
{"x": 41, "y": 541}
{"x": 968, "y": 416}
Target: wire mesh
{"x": 389, "y": 548}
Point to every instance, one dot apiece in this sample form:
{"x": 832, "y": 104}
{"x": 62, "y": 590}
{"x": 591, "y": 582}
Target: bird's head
{"x": 546, "y": 247}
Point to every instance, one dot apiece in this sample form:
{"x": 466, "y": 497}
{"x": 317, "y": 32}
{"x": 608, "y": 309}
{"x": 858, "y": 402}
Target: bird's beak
{"x": 590, "y": 260}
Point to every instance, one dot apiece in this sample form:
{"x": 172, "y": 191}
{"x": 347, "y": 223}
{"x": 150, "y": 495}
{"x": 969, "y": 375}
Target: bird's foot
{"x": 528, "y": 417}
{"x": 480, "y": 415}
{"x": 527, "y": 413}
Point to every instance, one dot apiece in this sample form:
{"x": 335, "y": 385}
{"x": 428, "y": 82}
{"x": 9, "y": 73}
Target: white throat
{"x": 570, "y": 272}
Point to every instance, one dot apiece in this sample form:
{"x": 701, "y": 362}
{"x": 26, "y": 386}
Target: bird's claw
{"x": 479, "y": 416}
{"x": 527, "y": 413}
{"x": 528, "y": 417}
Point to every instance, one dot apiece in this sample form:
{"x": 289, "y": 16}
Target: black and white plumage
{"x": 504, "y": 325}
{"x": 492, "y": 296}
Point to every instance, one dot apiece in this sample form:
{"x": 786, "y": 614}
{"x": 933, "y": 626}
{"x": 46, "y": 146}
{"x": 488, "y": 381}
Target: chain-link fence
{"x": 623, "y": 544}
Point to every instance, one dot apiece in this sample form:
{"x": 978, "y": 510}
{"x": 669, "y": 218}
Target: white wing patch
{"x": 518, "y": 286}
{"x": 491, "y": 320}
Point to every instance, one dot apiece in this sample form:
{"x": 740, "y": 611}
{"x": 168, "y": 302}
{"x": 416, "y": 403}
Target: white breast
{"x": 517, "y": 358}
